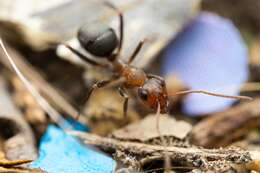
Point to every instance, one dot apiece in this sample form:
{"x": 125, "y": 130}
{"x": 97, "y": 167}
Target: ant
{"x": 101, "y": 41}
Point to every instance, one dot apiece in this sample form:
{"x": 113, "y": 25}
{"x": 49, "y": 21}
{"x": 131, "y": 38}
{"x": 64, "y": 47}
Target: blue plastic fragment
{"x": 76, "y": 125}
{"x": 208, "y": 54}
{"x": 62, "y": 153}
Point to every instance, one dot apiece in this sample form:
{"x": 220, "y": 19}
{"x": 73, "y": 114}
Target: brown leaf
{"x": 146, "y": 129}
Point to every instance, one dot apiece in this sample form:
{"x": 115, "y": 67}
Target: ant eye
{"x": 143, "y": 94}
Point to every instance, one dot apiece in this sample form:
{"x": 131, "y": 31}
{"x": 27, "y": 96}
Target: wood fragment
{"x": 220, "y": 129}
{"x": 191, "y": 156}
{"x": 20, "y": 170}
{"x": 11, "y": 163}
{"x": 19, "y": 142}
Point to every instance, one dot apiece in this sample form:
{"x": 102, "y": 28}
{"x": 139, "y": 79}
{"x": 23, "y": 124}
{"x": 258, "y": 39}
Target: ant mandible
{"x": 101, "y": 41}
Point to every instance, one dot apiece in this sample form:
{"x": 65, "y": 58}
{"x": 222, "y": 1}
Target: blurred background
{"x": 211, "y": 45}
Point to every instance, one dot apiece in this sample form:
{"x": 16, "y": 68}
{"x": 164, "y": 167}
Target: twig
{"x": 222, "y": 128}
{"x": 55, "y": 116}
{"x": 53, "y": 96}
{"x": 192, "y": 156}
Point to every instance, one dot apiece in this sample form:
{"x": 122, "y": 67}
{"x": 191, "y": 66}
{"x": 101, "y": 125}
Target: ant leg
{"x": 85, "y": 58}
{"x": 121, "y": 30}
{"x": 136, "y": 51}
{"x": 123, "y": 93}
{"x": 121, "y": 25}
{"x": 97, "y": 85}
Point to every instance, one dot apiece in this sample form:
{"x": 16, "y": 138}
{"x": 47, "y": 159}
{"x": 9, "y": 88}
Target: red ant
{"x": 101, "y": 41}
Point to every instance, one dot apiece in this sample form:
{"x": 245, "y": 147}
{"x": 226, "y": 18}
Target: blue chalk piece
{"x": 208, "y": 54}
{"x": 62, "y": 153}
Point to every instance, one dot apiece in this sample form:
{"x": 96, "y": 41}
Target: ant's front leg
{"x": 97, "y": 85}
{"x": 124, "y": 94}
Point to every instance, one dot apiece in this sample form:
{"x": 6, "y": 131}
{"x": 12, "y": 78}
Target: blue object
{"x": 76, "y": 125}
{"x": 62, "y": 153}
{"x": 208, "y": 54}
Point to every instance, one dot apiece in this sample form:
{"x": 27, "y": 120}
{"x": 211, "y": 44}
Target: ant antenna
{"x": 167, "y": 160}
{"x": 212, "y": 94}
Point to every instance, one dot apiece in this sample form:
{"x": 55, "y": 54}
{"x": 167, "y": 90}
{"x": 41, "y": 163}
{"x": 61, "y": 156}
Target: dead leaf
{"x": 146, "y": 129}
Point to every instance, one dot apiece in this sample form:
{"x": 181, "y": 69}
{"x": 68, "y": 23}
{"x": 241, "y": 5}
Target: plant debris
{"x": 145, "y": 153}
{"x": 175, "y": 132}
{"x": 236, "y": 121}
{"x": 40, "y": 103}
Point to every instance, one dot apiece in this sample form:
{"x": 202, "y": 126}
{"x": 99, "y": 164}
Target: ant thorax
{"x": 134, "y": 77}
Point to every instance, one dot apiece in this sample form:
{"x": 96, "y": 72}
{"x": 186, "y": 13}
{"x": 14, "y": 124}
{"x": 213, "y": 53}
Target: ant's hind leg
{"x": 83, "y": 57}
{"x": 121, "y": 25}
{"x": 123, "y": 93}
{"x": 136, "y": 51}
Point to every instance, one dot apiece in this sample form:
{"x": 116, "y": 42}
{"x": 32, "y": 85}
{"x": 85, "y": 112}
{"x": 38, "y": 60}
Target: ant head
{"x": 98, "y": 39}
{"x": 154, "y": 92}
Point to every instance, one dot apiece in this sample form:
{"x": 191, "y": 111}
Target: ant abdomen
{"x": 98, "y": 39}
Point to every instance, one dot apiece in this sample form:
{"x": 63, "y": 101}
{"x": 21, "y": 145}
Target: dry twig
{"x": 39, "y": 82}
{"x": 222, "y": 128}
{"x": 190, "y": 156}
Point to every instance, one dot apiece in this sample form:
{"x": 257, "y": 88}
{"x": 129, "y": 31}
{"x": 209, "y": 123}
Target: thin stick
{"x": 55, "y": 116}
{"x": 213, "y": 94}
